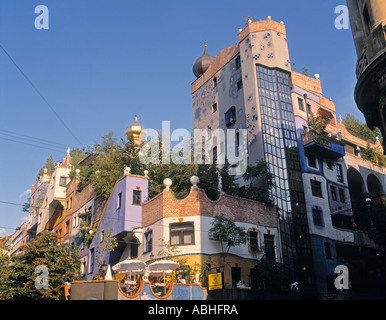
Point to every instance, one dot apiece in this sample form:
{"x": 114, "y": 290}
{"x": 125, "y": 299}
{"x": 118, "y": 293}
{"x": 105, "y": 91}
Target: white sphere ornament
{"x": 167, "y": 183}
{"x": 194, "y": 180}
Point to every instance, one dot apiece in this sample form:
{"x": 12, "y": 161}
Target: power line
{"x": 30, "y": 144}
{"x": 24, "y": 136}
{"x": 41, "y": 95}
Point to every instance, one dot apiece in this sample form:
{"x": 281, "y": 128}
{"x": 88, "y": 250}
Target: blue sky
{"x": 102, "y": 62}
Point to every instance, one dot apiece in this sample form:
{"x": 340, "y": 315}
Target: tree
{"x": 227, "y": 232}
{"x": 305, "y": 71}
{"x": 259, "y": 183}
{"x": 49, "y": 165}
{"x": 26, "y": 205}
{"x": 319, "y": 122}
{"x": 108, "y": 244}
{"x": 361, "y": 130}
{"x": 18, "y": 277}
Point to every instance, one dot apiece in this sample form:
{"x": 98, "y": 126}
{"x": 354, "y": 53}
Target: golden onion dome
{"x": 134, "y": 130}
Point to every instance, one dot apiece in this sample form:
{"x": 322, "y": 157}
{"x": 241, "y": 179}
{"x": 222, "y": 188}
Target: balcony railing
{"x": 322, "y": 144}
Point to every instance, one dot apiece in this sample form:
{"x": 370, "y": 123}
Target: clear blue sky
{"x": 102, "y": 62}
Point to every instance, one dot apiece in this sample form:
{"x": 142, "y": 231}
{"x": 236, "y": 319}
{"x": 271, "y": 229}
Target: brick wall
{"x": 197, "y": 203}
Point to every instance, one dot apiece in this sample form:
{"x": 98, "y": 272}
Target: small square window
{"x": 214, "y": 82}
{"x": 148, "y": 241}
{"x": 339, "y": 173}
{"x": 333, "y": 193}
{"x": 311, "y": 161}
{"x": 342, "y": 196}
{"x": 62, "y": 181}
{"x": 119, "y": 200}
{"x": 239, "y": 84}
{"x": 253, "y": 241}
{"x": 137, "y": 196}
{"x": 317, "y": 216}
{"x": 230, "y": 116}
{"x": 301, "y": 104}
{"x": 238, "y": 62}
{"x": 316, "y": 188}
{"x": 214, "y": 107}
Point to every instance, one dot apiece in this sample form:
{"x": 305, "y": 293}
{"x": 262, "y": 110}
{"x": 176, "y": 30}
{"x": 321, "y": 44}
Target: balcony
{"x": 323, "y": 145}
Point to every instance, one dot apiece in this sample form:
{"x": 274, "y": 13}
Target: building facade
{"x": 248, "y": 86}
{"x": 368, "y": 24}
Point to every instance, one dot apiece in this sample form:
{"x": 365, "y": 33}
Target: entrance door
{"x": 236, "y": 276}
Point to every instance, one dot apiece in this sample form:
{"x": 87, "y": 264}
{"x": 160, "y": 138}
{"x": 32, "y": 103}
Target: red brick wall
{"x": 197, "y": 203}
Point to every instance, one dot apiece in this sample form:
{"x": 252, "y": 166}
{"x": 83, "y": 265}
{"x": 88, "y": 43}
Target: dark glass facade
{"x": 282, "y": 154}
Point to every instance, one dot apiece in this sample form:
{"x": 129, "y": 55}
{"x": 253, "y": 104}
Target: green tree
{"x": 361, "y": 130}
{"x": 259, "y": 183}
{"x": 305, "y": 71}
{"x": 49, "y": 165}
{"x": 26, "y": 205}
{"x": 319, "y": 122}
{"x": 227, "y": 232}
{"x": 18, "y": 273}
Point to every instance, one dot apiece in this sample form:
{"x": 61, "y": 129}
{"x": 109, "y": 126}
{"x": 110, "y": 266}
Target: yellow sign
{"x": 215, "y": 281}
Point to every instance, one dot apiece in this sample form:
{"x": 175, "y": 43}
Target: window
{"x": 62, "y": 181}
{"x": 119, "y": 200}
{"x": 67, "y": 226}
{"x": 181, "y": 233}
{"x": 230, "y": 116}
{"x": 342, "y": 196}
{"x": 214, "y": 154}
{"x": 137, "y": 196}
{"x": 238, "y": 62}
{"x": 316, "y": 188}
{"x": 329, "y": 164}
{"x": 214, "y": 82}
{"x": 269, "y": 247}
{"x": 333, "y": 193}
{"x": 91, "y": 264}
{"x": 239, "y": 84}
{"x": 214, "y": 107}
{"x": 253, "y": 241}
{"x": 327, "y": 250}
{"x": 311, "y": 161}
{"x": 339, "y": 173}
{"x": 317, "y": 216}
{"x": 301, "y": 104}
{"x": 102, "y": 236}
{"x": 40, "y": 218}
{"x": 148, "y": 241}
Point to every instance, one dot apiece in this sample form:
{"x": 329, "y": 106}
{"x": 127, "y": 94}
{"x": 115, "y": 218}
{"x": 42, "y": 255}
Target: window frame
{"x": 317, "y": 216}
{"x": 137, "y": 195}
{"x": 180, "y": 229}
{"x": 319, "y": 186}
{"x": 252, "y": 245}
{"x": 119, "y": 200}
{"x": 148, "y": 242}
{"x": 230, "y": 116}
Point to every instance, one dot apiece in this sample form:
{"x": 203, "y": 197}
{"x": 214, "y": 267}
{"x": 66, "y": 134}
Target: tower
{"x": 135, "y": 132}
{"x": 248, "y": 86}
